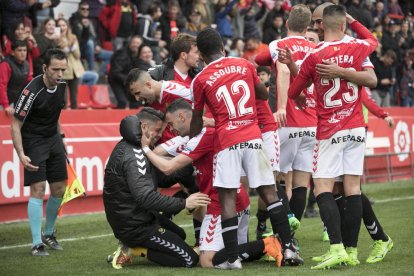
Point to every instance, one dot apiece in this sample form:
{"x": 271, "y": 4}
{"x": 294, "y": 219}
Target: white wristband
{"x": 146, "y": 149}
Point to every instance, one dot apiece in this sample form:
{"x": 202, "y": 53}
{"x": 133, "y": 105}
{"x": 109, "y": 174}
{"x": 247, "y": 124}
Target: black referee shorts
{"x": 49, "y": 154}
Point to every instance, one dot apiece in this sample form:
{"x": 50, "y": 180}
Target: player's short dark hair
{"x": 299, "y": 18}
{"x": 181, "y": 43}
{"x": 18, "y": 43}
{"x": 209, "y": 42}
{"x": 150, "y": 114}
{"x": 263, "y": 69}
{"x": 133, "y": 76}
{"x": 178, "y": 105}
{"x": 54, "y": 53}
{"x": 333, "y": 16}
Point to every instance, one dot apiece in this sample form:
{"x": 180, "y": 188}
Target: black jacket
{"x": 130, "y": 197}
{"x": 122, "y": 61}
{"x": 166, "y": 71}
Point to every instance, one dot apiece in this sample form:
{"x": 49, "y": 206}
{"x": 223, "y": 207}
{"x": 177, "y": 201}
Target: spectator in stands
{"x": 206, "y": 9}
{"x": 145, "y": 58}
{"x": 172, "y": 22}
{"x": 118, "y": 18}
{"x": 236, "y": 48}
{"x": 69, "y": 44}
{"x": 194, "y": 24}
{"x": 19, "y": 32}
{"x": 183, "y": 64}
{"x": 407, "y": 81}
{"x": 360, "y": 12}
{"x": 378, "y": 13}
{"x": 147, "y": 25}
{"x": 122, "y": 61}
{"x": 277, "y": 10}
{"x": 95, "y": 7}
{"x": 15, "y": 74}
{"x": 252, "y": 48}
{"x": 383, "y": 69}
{"x": 47, "y": 38}
{"x": 87, "y": 38}
{"x": 223, "y": 19}
{"x": 406, "y": 37}
{"x": 392, "y": 40}
{"x": 251, "y": 18}
{"x": 275, "y": 31}
{"x": 394, "y": 9}
{"x": 41, "y": 11}
{"x": 14, "y": 11}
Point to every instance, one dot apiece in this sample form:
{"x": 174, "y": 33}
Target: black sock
{"x": 311, "y": 197}
{"x": 298, "y": 201}
{"x": 280, "y": 224}
{"x": 341, "y": 203}
{"x": 262, "y": 216}
{"x": 229, "y": 233}
{"x": 371, "y": 222}
{"x": 247, "y": 252}
{"x": 353, "y": 215}
{"x": 330, "y": 216}
{"x": 197, "y": 227}
{"x": 281, "y": 193}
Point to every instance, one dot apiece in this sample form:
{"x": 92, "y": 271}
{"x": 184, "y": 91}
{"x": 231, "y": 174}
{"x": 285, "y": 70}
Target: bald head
{"x": 317, "y": 19}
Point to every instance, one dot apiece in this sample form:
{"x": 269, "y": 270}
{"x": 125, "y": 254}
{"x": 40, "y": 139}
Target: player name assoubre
{"x": 299, "y": 134}
{"x": 246, "y": 145}
{"x": 226, "y": 70}
{"x": 350, "y": 138}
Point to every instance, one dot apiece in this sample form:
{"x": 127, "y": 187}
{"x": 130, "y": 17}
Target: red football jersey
{"x": 226, "y": 86}
{"x": 265, "y": 116}
{"x": 171, "y": 91}
{"x": 183, "y": 78}
{"x": 338, "y": 101}
{"x": 299, "y": 47}
{"x": 200, "y": 150}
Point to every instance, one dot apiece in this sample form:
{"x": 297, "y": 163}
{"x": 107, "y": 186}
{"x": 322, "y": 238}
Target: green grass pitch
{"x": 87, "y": 240}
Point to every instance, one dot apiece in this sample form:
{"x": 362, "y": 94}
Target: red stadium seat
{"x": 100, "y": 97}
{"x": 84, "y": 98}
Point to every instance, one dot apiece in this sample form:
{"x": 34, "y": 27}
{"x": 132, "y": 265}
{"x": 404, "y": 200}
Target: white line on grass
{"x": 182, "y": 225}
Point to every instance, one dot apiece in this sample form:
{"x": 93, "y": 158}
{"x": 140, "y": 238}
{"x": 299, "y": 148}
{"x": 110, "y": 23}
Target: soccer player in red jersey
{"x": 340, "y": 132}
{"x": 382, "y": 242}
{"x": 199, "y": 151}
{"x": 297, "y": 127}
{"x": 229, "y": 87}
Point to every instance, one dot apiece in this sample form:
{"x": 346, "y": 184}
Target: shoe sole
{"x": 389, "y": 248}
{"x": 340, "y": 261}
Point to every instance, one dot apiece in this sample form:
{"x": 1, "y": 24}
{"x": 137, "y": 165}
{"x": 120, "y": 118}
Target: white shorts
{"x": 248, "y": 156}
{"x": 296, "y": 148}
{"x": 210, "y": 232}
{"x": 271, "y": 146}
{"x": 175, "y": 145}
{"x": 343, "y": 153}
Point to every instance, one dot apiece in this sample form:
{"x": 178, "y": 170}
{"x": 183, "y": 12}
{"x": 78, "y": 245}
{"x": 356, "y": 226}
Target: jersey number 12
{"x": 237, "y": 87}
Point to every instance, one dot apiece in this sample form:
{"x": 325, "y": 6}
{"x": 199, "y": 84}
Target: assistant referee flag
{"x": 74, "y": 187}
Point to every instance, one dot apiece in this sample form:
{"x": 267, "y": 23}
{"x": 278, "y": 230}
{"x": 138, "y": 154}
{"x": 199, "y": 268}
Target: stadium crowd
{"x": 139, "y": 34}
{"x": 150, "y": 54}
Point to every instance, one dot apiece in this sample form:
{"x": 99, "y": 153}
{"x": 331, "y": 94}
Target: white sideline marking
{"x": 183, "y": 226}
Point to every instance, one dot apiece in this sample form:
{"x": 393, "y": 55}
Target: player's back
{"x": 227, "y": 87}
{"x": 338, "y": 100}
{"x": 299, "y": 47}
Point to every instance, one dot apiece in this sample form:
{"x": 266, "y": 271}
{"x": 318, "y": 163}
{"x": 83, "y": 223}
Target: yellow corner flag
{"x": 74, "y": 187}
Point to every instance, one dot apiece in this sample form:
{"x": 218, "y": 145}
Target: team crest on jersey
{"x": 340, "y": 114}
{"x": 22, "y": 113}
{"x": 161, "y": 230}
{"x": 26, "y": 92}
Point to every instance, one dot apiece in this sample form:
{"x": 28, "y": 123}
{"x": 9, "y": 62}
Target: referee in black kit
{"x": 38, "y": 142}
